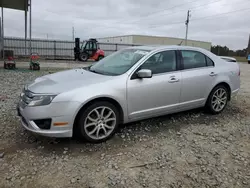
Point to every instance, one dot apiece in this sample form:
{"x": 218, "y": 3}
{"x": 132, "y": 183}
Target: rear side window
{"x": 193, "y": 59}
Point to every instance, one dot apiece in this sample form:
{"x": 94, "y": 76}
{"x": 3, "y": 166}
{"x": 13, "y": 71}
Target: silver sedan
{"x": 129, "y": 85}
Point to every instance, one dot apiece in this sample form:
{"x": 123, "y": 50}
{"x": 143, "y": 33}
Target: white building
{"x": 153, "y": 40}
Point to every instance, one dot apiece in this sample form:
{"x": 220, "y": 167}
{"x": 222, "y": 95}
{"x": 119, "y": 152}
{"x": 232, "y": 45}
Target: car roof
{"x": 159, "y": 47}
{"x": 153, "y": 48}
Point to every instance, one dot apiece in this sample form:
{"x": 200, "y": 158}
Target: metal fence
{"x": 52, "y": 49}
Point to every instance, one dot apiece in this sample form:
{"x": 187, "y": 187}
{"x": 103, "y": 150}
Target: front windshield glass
{"x": 83, "y": 44}
{"x": 118, "y": 62}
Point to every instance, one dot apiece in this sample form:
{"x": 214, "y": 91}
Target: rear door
{"x": 198, "y": 75}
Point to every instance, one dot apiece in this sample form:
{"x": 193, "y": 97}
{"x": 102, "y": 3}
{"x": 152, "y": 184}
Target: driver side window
{"x": 161, "y": 62}
{"x": 94, "y": 46}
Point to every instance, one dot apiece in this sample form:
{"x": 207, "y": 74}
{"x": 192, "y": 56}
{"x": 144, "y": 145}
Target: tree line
{"x": 225, "y": 51}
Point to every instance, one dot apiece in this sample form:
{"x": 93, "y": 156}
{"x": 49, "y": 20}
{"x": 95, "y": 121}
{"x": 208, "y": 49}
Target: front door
{"x": 198, "y": 75}
{"x": 158, "y": 95}
{"x": 90, "y": 48}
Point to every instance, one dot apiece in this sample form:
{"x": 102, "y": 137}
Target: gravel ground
{"x": 189, "y": 149}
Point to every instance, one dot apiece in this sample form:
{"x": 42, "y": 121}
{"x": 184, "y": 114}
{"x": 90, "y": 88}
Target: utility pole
{"x": 30, "y": 26}
{"x": 248, "y": 47}
{"x": 1, "y": 36}
{"x": 187, "y": 22}
{"x": 2, "y": 32}
{"x": 73, "y": 33}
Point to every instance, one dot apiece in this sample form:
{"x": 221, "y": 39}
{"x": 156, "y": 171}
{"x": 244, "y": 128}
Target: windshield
{"x": 118, "y": 62}
{"x": 83, "y": 44}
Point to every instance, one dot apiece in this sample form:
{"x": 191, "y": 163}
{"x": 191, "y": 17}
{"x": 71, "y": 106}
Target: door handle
{"x": 212, "y": 74}
{"x": 173, "y": 79}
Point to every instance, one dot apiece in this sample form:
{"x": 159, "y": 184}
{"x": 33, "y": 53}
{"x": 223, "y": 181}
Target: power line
{"x": 157, "y": 25}
{"x": 170, "y": 13}
{"x": 150, "y": 14}
{"x": 156, "y": 12}
{"x": 193, "y": 9}
{"x": 221, "y": 14}
{"x": 173, "y": 23}
{"x": 206, "y": 17}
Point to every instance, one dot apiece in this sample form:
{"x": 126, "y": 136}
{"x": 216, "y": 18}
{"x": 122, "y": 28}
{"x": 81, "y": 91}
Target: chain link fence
{"x": 51, "y": 49}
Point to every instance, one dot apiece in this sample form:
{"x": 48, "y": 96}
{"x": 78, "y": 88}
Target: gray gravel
{"x": 189, "y": 149}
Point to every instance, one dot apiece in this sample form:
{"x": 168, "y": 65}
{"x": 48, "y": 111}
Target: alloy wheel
{"x": 100, "y": 122}
{"x": 219, "y": 99}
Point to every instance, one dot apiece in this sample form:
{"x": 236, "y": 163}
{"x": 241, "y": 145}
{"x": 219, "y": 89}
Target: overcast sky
{"x": 102, "y": 18}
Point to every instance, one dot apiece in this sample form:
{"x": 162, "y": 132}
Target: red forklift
{"x": 89, "y": 50}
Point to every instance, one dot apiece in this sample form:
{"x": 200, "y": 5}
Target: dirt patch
{"x": 188, "y": 149}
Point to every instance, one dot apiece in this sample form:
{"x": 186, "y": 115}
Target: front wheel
{"x": 83, "y": 56}
{"x": 217, "y": 100}
{"x": 98, "y": 122}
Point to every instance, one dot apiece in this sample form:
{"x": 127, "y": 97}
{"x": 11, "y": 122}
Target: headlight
{"x": 41, "y": 100}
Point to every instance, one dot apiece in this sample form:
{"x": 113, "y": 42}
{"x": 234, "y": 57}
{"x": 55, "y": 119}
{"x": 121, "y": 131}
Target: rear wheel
{"x": 98, "y": 122}
{"x": 217, "y": 100}
{"x": 248, "y": 62}
{"x": 5, "y": 66}
{"x": 83, "y": 56}
{"x": 100, "y": 57}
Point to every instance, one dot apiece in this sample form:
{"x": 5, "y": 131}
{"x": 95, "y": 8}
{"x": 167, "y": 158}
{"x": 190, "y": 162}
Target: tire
{"x": 83, "y": 56}
{"x": 248, "y": 62}
{"x": 31, "y": 67}
{"x": 214, "y": 106}
{"x": 100, "y": 57}
{"x": 38, "y": 67}
{"x": 97, "y": 127}
{"x": 5, "y": 67}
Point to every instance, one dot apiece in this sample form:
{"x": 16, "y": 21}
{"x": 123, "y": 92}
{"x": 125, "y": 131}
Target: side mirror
{"x": 144, "y": 73}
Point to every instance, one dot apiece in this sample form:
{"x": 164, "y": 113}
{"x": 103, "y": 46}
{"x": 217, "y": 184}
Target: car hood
{"x": 65, "y": 81}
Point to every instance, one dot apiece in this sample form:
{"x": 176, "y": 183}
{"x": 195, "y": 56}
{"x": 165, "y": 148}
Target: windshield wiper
{"x": 94, "y": 71}
{"x": 102, "y": 73}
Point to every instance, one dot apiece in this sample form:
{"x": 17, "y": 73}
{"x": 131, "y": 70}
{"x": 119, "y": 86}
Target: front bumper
{"x": 58, "y": 112}
{"x": 234, "y": 93}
